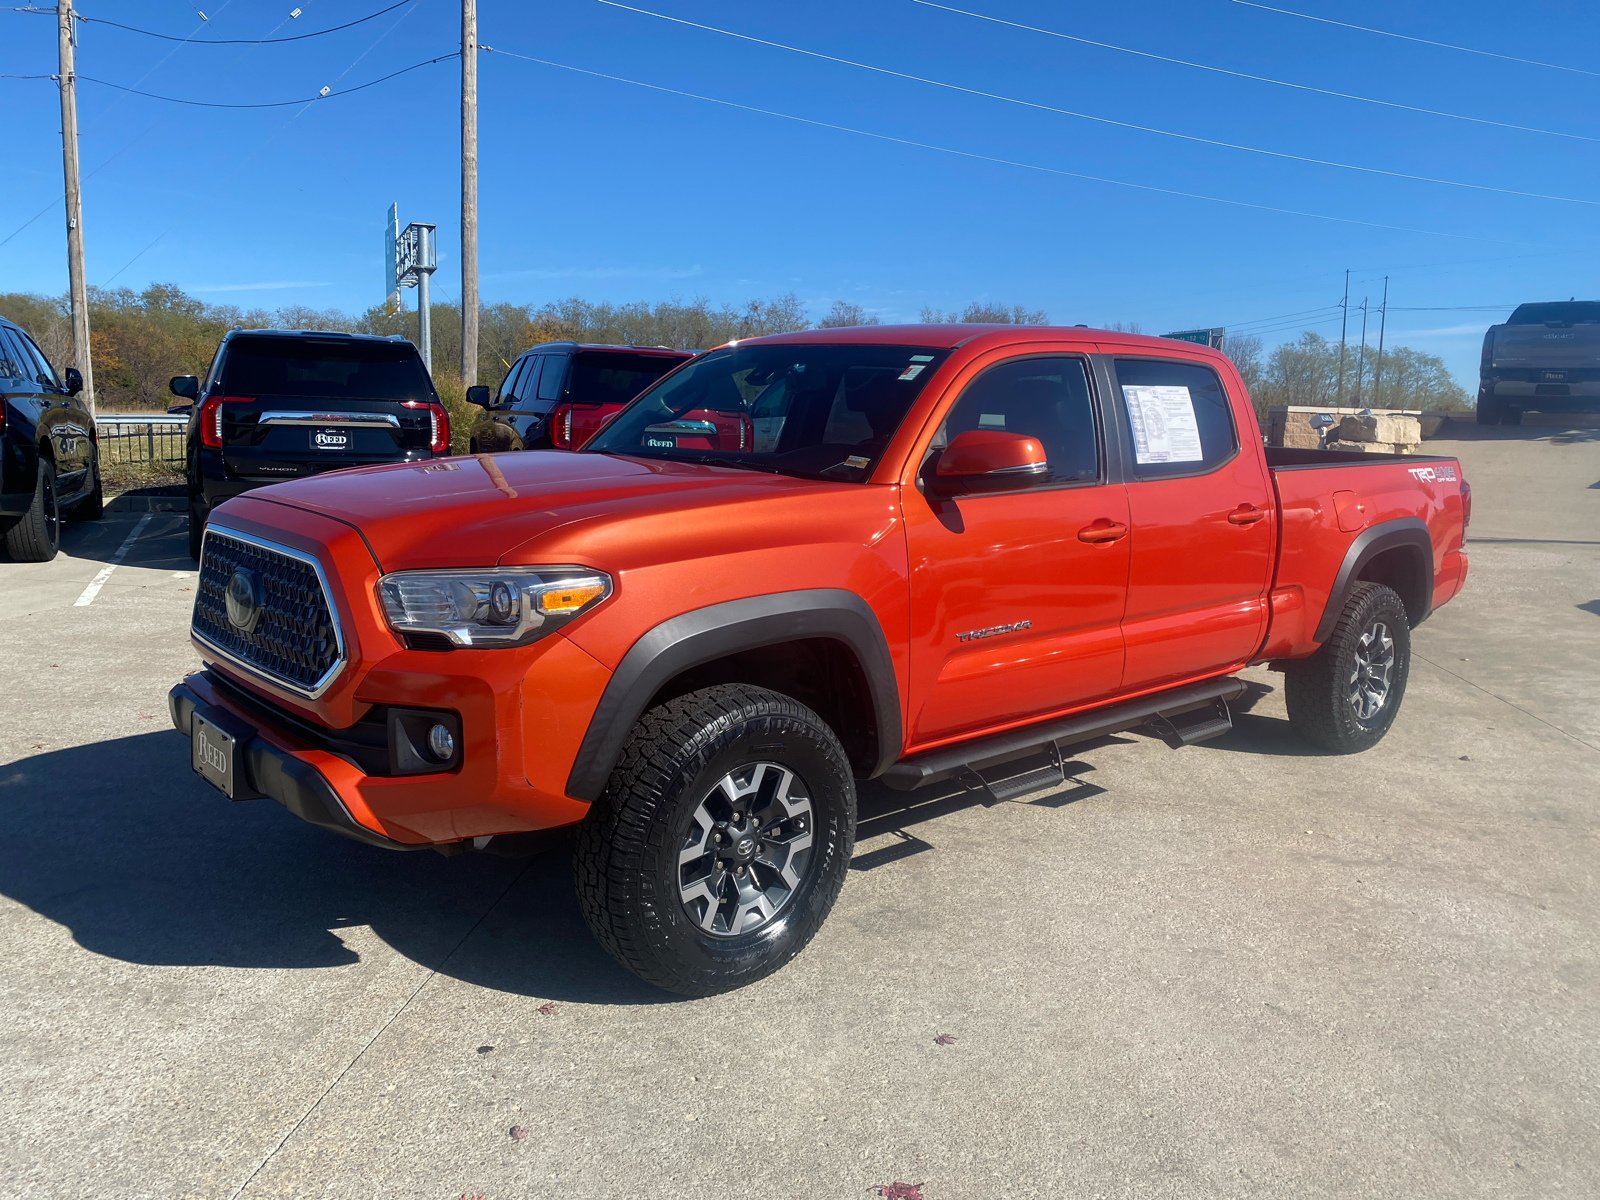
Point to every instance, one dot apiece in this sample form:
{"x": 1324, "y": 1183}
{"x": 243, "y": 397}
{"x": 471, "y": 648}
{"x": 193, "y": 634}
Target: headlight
{"x": 510, "y": 607}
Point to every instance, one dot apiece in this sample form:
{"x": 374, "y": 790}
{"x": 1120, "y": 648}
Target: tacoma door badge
{"x": 993, "y": 631}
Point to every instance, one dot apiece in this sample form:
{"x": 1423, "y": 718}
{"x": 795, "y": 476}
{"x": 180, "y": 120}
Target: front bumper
{"x": 275, "y": 772}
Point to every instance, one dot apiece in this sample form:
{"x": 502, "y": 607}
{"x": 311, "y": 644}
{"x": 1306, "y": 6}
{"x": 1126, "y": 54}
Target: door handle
{"x": 1102, "y": 532}
{"x": 1245, "y": 514}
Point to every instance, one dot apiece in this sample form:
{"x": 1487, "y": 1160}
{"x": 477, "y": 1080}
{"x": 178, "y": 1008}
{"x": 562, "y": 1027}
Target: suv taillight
{"x": 1466, "y": 507}
{"x": 438, "y": 424}
{"x": 211, "y": 417}
{"x": 561, "y": 427}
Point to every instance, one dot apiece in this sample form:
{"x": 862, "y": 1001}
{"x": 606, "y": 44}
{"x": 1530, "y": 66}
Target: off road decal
{"x": 993, "y": 631}
{"x": 1433, "y": 474}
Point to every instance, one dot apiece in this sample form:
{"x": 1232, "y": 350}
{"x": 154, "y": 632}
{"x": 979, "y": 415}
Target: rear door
{"x": 1202, "y": 515}
{"x": 1017, "y": 597}
{"x": 295, "y": 405}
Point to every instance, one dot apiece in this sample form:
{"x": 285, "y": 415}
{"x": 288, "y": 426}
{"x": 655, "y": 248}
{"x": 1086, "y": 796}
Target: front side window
{"x": 1179, "y": 415}
{"x": 819, "y": 412}
{"x": 1043, "y": 398}
{"x": 13, "y": 364}
{"x": 313, "y": 369}
{"x": 515, "y": 384}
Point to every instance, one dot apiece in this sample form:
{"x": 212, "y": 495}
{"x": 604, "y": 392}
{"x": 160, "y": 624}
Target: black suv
{"x": 559, "y": 394}
{"x": 279, "y": 404}
{"x": 49, "y": 455}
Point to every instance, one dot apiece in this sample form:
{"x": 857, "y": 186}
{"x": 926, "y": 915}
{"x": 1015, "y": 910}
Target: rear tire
{"x": 37, "y": 537}
{"x": 721, "y": 841}
{"x": 1488, "y": 411}
{"x": 1345, "y": 697}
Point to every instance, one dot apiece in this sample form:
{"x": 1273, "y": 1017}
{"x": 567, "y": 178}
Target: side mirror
{"x": 478, "y": 394}
{"x": 187, "y": 386}
{"x": 984, "y": 460}
{"x": 74, "y": 381}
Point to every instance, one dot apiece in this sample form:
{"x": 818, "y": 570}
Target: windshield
{"x": 313, "y": 369}
{"x": 820, "y": 412}
{"x": 606, "y": 377}
{"x": 1567, "y": 312}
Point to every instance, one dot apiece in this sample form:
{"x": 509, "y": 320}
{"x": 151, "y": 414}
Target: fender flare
{"x": 1380, "y": 538}
{"x": 703, "y": 635}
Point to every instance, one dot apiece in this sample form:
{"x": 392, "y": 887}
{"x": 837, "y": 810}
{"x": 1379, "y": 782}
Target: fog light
{"x": 441, "y": 743}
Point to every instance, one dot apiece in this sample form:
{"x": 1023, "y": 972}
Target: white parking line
{"x": 99, "y": 581}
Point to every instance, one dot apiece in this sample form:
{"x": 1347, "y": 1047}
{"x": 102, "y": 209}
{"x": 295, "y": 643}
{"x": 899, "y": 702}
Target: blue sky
{"x": 612, "y": 191}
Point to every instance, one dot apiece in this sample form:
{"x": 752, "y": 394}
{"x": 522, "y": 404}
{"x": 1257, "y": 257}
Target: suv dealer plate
{"x": 330, "y": 439}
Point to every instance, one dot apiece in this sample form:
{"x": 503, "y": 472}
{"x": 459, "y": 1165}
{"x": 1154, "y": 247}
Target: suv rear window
{"x": 605, "y": 377}
{"x": 820, "y": 412}
{"x": 1567, "y": 312}
{"x": 313, "y": 369}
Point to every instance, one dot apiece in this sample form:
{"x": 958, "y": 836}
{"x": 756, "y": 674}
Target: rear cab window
{"x": 1178, "y": 415}
{"x": 1562, "y": 314}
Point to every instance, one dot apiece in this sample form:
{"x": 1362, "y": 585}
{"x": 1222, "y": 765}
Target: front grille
{"x": 295, "y": 640}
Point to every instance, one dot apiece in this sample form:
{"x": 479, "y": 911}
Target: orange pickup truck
{"x": 915, "y": 554}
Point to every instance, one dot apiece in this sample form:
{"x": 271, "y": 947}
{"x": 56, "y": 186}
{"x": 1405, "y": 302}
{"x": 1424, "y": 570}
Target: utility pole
{"x": 1361, "y": 359}
{"x": 469, "y": 192}
{"x": 69, "y": 160}
{"x": 1383, "y": 323}
{"x": 1344, "y": 323}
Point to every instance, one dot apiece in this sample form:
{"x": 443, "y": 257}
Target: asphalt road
{"x": 1241, "y": 969}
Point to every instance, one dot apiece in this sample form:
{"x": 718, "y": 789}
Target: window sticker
{"x": 857, "y": 461}
{"x": 913, "y": 371}
{"x": 991, "y": 420}
{"x": 1164, "y": 426}
{"x": 922, "y": 358}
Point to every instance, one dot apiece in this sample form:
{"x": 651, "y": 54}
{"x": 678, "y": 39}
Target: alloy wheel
{"x": 1372, "y": 672}
{"x": 747, "y": 850}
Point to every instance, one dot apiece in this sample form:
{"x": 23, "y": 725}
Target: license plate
{"x": 330, "y": 439}
{"x": 212, "y": 755}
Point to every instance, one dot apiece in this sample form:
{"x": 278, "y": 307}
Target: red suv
{"x": 560, "y": 393}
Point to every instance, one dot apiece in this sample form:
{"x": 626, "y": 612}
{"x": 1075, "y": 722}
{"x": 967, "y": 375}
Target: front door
{"x": 1202, "y": 515}
{"x": 1016, "y": 597}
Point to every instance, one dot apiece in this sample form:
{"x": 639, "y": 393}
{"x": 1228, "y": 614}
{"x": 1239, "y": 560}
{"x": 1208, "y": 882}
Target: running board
{"x": 1160, "y": 710}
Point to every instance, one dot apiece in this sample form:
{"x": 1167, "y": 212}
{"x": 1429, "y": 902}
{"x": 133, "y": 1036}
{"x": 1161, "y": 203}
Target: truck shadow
{"x": 119, "y": 843}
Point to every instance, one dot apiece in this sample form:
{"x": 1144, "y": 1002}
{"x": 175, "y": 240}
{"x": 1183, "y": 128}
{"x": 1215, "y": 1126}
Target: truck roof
{"x": 948, "y": 337}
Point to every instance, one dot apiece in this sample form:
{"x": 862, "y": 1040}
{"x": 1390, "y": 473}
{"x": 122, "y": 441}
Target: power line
{"x": 1321, "y": 162}
{"x": 968, "y": 154}
{"x": 266, "y": 41}
{"x": 1405, "y": 37}
{"x": 325, "y": 94}
{"x": 1302, "y": 87}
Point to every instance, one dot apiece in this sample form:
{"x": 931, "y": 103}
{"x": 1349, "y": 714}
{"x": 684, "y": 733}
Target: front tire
{"x": 37, "y": 536}
{"x": 1345, "y": 697}
{"x": 721, "y": 841}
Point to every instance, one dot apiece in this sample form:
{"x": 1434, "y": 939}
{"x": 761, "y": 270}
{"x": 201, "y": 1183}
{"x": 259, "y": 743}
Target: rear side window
{"x": 311, "y": 369}
{"x": 605, "y": 377}
{"x": 554, "y": 374}
{"x": 1044, "y": 398}
{"x": 1179, "y": 414}
{"x": 13, "y": 363}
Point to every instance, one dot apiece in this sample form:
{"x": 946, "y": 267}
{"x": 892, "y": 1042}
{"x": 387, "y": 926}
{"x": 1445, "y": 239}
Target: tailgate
{"x": 294, "y": 436}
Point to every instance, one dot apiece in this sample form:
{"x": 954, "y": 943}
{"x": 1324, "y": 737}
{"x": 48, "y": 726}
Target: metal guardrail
{"x": 142, "y": 437}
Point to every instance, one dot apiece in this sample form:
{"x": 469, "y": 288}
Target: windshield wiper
{"x": 743, "y": 463}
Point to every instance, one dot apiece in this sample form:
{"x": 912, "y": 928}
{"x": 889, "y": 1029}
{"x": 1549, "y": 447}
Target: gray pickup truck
{"x": 1545, "y": 358}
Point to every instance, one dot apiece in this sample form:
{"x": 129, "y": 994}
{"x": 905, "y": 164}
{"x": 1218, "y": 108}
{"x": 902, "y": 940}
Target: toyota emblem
{"x": 244, "y": 600}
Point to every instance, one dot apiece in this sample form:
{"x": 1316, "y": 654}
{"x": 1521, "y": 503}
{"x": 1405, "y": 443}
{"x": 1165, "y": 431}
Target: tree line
{"x": 139, "y": 340}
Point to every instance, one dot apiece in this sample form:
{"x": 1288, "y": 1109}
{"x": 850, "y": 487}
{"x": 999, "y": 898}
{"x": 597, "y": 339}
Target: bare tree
{"x": 981, "y": 313}
{"x": 844, "y": 314}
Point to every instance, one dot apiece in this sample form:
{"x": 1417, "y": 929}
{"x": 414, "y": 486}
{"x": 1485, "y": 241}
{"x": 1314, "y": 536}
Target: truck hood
{"x": 1523, "y": 346}
{"x": 486, "y": 509}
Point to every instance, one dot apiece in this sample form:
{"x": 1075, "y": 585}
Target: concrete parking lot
{"x": 1242, "y": 969}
